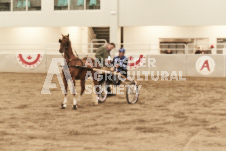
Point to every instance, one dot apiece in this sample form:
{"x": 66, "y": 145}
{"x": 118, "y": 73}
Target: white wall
{"x": 172, "y": 12}
{"x": 27, "y": 39}
{"x": 91, "y": 35}
{"x": 76, "y": 34}
{"x": 127, "y": 13}
{"x": 33, "y": 39}
{"x": 151, "y": 34}
{"x": 47, "y": 17}
{"x": 29, "y": 35}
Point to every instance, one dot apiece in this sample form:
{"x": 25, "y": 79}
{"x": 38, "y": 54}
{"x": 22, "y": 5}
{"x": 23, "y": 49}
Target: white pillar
{"x": 115, "y": 32}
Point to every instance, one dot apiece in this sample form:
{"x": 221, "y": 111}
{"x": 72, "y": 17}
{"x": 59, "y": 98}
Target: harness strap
{"x": 77, "y": 59}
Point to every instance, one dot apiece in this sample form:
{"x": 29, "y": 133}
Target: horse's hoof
{"x": 95, "y": 103}
{"x": 63, "y": 106}
{"x": 74, "y": 107}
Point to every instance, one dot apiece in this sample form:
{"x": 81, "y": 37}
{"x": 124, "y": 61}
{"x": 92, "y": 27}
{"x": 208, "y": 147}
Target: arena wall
{"x": 179, "y": 64}
{"x": 219, "y": 69}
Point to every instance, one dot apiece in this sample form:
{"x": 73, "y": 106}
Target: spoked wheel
{"x": 132, "y": 93}
{"x": 103, "y": 95}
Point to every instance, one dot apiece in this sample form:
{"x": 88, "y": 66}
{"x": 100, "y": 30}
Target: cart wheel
{"x": 132, "y": 93}
{"x": 103, "y": 95}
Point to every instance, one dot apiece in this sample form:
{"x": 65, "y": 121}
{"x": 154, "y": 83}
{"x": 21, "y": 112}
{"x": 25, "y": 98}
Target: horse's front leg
{"x": 64, "y": 104}
{"x": 75, "y": 106}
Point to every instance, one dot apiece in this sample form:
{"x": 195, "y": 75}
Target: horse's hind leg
{"x": 64, "y": 104}
{"x": 82, "y": 83}
{"x": 74, "y": 100}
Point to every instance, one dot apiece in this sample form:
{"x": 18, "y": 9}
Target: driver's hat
{"x": 122, "y": 50}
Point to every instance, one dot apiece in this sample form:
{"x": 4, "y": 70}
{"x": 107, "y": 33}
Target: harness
{"x": 75, "y": 60}
{"x": 75, "y": 66}
{"x": 70, "y": 60}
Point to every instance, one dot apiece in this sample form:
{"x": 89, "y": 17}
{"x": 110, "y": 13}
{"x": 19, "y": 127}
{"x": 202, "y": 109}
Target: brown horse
{"x": 75, "y": 73}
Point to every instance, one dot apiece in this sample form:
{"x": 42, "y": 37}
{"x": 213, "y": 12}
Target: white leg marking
{"x": 74, "y": 101}
{"x": 65, "y": 101}
{"x": 95, "y": 98}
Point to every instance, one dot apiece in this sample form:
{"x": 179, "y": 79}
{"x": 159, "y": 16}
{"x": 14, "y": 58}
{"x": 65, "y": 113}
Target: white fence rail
{"x": 131, "y": 48}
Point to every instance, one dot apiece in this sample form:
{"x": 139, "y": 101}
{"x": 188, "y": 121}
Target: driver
{"x": 120, "y": 63}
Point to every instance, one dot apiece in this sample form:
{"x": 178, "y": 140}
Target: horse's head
{"x": 64, "y": 43}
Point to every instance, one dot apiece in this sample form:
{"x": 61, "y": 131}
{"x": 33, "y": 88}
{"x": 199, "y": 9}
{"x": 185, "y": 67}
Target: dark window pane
{"x": 92, "y": 4}
{"x": 77, "y": 5}
{"x": 34, "y": 5}
{"x": 5, "y": 5}
{"x": 60, "y": 4}
{"x": 19, "y": 5}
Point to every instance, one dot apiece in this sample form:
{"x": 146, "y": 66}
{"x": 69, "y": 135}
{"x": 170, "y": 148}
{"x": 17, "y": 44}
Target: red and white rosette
{"x": 135, "y": 62}
{"x": 29, "y": 61}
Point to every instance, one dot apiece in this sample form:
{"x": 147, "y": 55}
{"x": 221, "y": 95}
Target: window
{"x": 199, "y": 45}
{"x": 34, "y": 5}
{"x": 184, "y": 45}
{"x": 221, "y": 45}
{"x": 23, "y": 5}
{"x": 5, "y": 5}
{"x": 172, "y": 48}
{"x": 76, "y": 4}
{"x": 92, "y": 4}
{"x": 20, "y": 5}
{"x": 173, "y": 45}
{"x": 61, "y": 4}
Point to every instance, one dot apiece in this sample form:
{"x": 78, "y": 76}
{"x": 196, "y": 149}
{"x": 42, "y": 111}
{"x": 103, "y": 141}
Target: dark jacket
{"x": 122, "y": 62}
{"x": 102, "y": 54}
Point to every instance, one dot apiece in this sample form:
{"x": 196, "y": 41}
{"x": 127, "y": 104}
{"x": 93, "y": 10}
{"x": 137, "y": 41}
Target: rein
{"x": 70, "y": 60}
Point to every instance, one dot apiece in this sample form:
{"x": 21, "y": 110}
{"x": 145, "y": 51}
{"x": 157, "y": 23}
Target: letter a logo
{"x": 205, "y": 65}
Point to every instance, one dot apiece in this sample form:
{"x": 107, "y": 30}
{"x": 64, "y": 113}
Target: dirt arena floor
{"x": 169, "y": 116}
